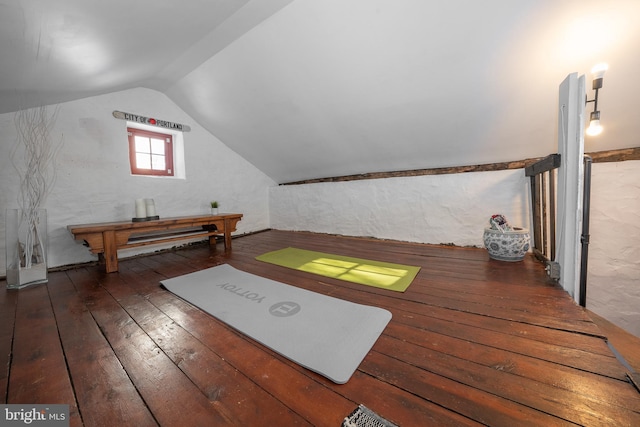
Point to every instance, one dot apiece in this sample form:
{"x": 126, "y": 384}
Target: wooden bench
{"x": 105, "y": 239}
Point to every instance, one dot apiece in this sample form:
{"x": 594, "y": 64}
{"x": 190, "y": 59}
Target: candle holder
{"x": 150, "y": 207}
{"x": 141, "y": 211}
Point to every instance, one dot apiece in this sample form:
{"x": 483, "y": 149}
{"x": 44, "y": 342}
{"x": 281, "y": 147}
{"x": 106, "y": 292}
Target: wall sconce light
{"x": 594, "y": 120}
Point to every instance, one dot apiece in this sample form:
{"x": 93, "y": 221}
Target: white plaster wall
{"x": 452, "y": 208}
{"x": 94, "y": 183}
{"x": 455, "y": 209}
{"x": 613, "y": 282}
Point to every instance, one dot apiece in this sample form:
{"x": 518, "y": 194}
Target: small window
{"x": 150, "y": 153}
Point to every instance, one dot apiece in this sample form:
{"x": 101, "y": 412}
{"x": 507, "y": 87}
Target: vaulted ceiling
{"x": 316, "y": 88}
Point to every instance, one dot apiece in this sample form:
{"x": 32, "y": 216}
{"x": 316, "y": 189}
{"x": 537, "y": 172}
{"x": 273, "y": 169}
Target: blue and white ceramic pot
{"x": 508, "y": 245}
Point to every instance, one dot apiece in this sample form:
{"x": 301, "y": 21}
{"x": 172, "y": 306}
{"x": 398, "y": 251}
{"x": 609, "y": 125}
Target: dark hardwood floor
{"x": 473, "y": 341}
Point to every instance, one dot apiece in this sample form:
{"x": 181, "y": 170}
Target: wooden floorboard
{"x": 38, "y": 371}
{"x": 626, "y": 344}
{"x": 8, "y": 303}
{"x": 100, "y": 382}
{"x": 472, "y": 342}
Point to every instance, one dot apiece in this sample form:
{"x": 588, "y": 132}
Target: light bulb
{"x": 599, "y": 69}
{"x": 594, "y": 128}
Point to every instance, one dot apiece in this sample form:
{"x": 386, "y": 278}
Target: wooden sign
{"x": 151, "y": 121}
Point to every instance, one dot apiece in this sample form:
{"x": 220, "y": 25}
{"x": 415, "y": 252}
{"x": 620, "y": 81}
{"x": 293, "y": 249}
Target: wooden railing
{"x": 543, "y": 202}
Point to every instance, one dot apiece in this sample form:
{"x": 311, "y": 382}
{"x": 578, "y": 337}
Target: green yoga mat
{"x": 394, "y": 277}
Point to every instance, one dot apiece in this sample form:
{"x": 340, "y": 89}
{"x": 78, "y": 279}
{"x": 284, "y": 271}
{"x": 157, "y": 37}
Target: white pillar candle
{"x": 141, "y": 210}
{"x": 150, "y": 207}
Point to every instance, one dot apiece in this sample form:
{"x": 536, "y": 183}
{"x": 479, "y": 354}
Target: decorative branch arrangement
{"x": 37, "y": 176}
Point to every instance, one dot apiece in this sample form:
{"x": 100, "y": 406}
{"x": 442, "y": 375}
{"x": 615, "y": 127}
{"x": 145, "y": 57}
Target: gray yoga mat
{"x": 327, "y": 335}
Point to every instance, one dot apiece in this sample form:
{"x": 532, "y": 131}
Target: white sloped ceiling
{"x": 316, "y": 88}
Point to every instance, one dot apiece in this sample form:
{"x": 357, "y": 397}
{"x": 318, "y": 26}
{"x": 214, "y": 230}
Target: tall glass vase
{"x": 26, "y": 245}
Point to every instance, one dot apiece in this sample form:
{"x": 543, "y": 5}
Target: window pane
{"x": 158, "y": 162}
{"x": 143, "y": 161}
{"x": 150, "y": 153}
{"x": 157, "y": 146}
{"x": 142, "y": 144}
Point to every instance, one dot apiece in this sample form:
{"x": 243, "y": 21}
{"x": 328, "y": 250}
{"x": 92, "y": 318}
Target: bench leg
{"x": 227, "y": 235}
{"x": 110, "y": 251}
